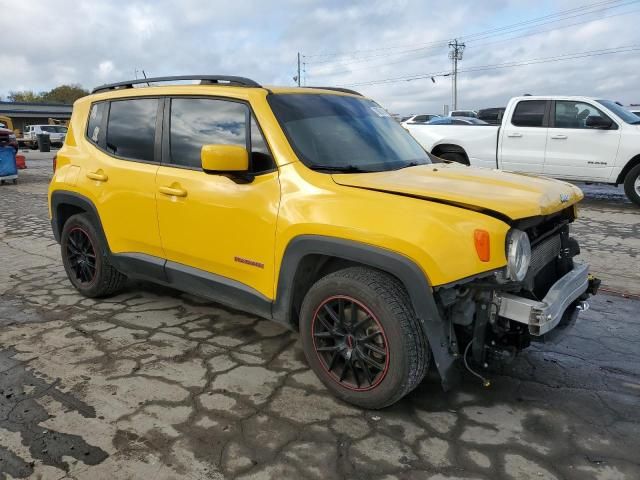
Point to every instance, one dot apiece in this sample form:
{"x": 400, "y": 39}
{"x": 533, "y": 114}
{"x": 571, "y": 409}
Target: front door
{"x": 524, "y": 138}
{"x": 575, "y": 150}
{"x": 220, "y": 224}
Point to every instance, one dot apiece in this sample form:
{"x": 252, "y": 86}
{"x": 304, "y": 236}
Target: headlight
{"x": 518, "y": 255}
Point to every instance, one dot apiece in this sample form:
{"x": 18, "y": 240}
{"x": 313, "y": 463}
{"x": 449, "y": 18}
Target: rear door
{"x": 575, "y": 150}
{"x": 524, "y": 137}
{"x": 120, "y": 172}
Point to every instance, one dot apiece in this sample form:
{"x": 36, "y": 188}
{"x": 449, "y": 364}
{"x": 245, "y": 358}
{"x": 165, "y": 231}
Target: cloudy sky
{"x": 46, "y": 43}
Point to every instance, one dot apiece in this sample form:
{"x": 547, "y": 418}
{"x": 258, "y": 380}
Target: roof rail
{"x": 339, "y": 89}
{"x": 204, "y": 80}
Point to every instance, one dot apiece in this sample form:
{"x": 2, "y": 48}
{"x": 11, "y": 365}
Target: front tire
{"x": 84, "y": 261}
{"x": 632, "y": 185}
{"x": 361, "y": 337}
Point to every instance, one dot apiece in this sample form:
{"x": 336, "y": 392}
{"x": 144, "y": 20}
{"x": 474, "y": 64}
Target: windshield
{"x": 624, "y": 114}
{"x": 53, "y": 129}
{"x": 336, "y": 132}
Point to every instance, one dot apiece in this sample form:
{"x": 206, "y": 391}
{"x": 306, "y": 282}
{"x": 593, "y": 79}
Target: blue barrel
{"x": 8, "y": 167}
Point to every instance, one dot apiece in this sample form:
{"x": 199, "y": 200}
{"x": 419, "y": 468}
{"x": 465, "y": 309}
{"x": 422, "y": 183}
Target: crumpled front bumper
{"x": 543, "y": 316}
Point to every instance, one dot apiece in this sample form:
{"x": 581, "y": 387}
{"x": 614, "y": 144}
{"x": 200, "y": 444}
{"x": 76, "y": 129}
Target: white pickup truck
{"x": 572, "y": 138}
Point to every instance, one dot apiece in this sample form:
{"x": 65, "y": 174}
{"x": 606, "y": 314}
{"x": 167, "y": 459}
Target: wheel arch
{"x": 308, "y": 255}
{"x": 441, "y": 148}
{"x": 627, "y": 168}
{"x": 64, "y": 204}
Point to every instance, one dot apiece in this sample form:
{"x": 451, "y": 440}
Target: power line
{"x": 532, "y": 61}
{"x": 473, "y": 45}
{"x": 493, "y": 31}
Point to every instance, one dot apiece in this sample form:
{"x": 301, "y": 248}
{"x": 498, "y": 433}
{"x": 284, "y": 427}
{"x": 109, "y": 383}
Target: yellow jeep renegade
{"x": 314, "y": 208}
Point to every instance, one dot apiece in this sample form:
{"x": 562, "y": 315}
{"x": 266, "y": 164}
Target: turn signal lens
{"x": 483, "y": 245}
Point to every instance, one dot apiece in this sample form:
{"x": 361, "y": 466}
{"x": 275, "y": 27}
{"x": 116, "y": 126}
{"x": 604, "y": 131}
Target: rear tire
{"x": 632, "y": 185}
{"x": 373, "y": 357}
{"x": 454, "y": 157}
{"x": 84, "y": 260}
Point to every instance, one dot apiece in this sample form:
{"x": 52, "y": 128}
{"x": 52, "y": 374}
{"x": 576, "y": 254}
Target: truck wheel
{"x": 86, "y": 265}
{"x": 362, "y": 338}
{"x": 632, "y": 185}
{"x": 454, "y": 157}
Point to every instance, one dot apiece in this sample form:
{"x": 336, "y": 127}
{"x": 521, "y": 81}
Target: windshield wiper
{"x": 343, "y": 168}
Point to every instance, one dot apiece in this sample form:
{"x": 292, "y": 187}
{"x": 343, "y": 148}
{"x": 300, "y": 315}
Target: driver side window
{"x": 195, "y": 122}
{"x": 570, "y": 114}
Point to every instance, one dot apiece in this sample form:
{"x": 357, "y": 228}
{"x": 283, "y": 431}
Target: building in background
{"x": 22, "y": 114}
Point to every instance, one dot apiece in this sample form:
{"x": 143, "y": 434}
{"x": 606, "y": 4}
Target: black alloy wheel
{"x": 350, "y": 343}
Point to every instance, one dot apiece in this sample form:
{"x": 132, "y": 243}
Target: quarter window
{"x": 131, "y": 128}
{"x": 574, "y": 114}
{"x": 529, "y": 113}
{"x": 95, "y": 121}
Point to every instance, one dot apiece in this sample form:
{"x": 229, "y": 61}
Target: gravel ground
{"x": 158, "y": 384}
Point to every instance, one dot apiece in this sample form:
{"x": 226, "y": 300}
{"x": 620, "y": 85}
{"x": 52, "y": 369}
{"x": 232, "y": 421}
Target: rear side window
{"x": 529, "y": 113}
{"x": 95, "y": 121}
{"x": 131, "y": 128}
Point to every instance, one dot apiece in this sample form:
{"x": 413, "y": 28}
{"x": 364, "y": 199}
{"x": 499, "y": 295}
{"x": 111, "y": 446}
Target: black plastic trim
{"x": 208, "y": 285}
{"x": 217, "y": 288}
{"x": 439, "y": 333}
{"x": 64, "y": 197}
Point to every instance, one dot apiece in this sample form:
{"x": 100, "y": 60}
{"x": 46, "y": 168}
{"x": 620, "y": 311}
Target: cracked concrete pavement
{"x": 154, "y": 383}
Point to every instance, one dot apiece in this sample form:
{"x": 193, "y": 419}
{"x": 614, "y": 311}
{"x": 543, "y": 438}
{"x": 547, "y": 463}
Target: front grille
{"x": 543, "y": 253}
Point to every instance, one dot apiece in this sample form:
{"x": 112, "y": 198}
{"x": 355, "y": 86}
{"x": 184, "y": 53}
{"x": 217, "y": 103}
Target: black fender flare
{"x": 60, "y": 198}
{"x": 440, "y": 334}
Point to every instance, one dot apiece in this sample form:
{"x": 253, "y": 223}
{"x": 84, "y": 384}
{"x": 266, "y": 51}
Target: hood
{"x": 495, "y": 192}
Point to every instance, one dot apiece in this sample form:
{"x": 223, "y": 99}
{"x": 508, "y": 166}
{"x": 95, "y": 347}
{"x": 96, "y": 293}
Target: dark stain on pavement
{"x": 20, "y": 412}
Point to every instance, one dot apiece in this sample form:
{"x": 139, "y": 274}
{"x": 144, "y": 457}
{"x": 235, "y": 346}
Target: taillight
{"x": 55, "y": 161}
{"x": 483, "y": 245}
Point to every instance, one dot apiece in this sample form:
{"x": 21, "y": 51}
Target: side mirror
{"x": 224, "y": 159}
{"x": 596, "y": 121}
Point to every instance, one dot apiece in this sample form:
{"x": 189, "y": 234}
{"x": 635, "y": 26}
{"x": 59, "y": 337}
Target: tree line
{"x": 62, "y": 94}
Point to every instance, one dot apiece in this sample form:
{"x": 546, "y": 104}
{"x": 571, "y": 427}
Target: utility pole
{"x": 455, "y": 54}
{"x": 298, "y": 77}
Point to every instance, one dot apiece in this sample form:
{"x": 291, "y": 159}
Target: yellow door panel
{"x": 124, "y": 194}
{"x": 212, "y": 223}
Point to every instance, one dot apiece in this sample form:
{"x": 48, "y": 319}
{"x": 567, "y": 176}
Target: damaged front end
{"x": 538, "y": 294}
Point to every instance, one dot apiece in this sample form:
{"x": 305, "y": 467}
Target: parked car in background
{"x": 492, "y": 116}
{"x": 423, "y": 118}
{"x": 456, "y": 121}
{"x": 572, "y": 138}
{"x": 8, "y": 138}
{"x": 57, "y": 134}
{"x": 464, "y": 113}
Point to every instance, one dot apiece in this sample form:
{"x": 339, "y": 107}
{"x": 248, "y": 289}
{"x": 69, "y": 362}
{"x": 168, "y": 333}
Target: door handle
{"x": 559, "y": 137}
{"x": 98, "y": 176}
{"x": 514, "y": 135}
{"x": 174, "y": 192}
